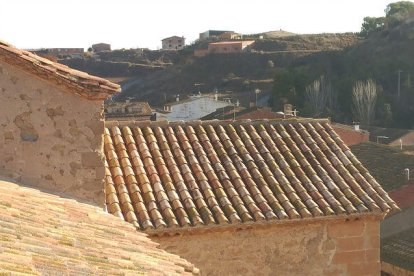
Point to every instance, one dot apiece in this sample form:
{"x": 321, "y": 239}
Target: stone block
{"x": 352, "y": 228}
{"x": 372, "y": 255}
{"x": 361, "y": 269}
{"x": 92, "y": 160}
{"x": 350, "y": 243}
{"x": 347, "y": 257}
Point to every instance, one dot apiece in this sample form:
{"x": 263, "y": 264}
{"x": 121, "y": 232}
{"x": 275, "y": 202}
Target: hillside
{"x": 380, "y": 56}
{"x": 157, "y": 76}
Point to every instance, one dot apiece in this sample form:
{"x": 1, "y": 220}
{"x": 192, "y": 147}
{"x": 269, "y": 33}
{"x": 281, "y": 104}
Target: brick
{"x": 346, "y": 229}
{"x": 350, "y": 244}
{"x": 349, "y": 257}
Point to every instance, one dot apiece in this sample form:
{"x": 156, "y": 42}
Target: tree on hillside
{"x": 394, "y": 14}
{"x": 397, "y": 12}
{"x": 400, "y": 9}
{"x": 289, "y": 87}
{"x": 364, "y": 96}
{"x": 371, "y": 24}
{"x": 319, "y": 95}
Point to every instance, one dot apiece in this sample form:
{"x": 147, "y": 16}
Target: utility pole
{"x": 399, "y": 85}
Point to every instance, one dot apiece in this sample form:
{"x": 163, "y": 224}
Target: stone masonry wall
{"x": 334, "y": 247}
{"x": 50, "y": 138}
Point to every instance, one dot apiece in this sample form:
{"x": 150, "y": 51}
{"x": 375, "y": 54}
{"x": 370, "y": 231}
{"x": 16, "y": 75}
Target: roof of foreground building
{"x": 200, "y": 174}
{"x": 43, "y": 234}
{"x": 80, "y": 83}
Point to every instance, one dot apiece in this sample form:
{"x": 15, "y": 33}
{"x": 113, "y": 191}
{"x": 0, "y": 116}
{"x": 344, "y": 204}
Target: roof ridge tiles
{"x": 201, "y": 174}
{"x": 213, "y": 122}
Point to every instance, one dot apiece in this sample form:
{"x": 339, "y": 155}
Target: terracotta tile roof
{"x": 207, "y": 173}
{"x": 43, "y": 234}
{"x": 403, "y": 196}
{"x": 77, "y": 82}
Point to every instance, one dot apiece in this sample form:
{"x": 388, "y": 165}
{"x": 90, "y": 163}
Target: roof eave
{"x": 259, "y": 224}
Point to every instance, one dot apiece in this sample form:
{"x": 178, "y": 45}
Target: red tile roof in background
{"x": 404, "y": 196}
{"x": 209, "y": 173}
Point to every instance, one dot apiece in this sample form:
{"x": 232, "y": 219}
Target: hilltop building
{"x": 225, "y": 47}
{"x": 101, "y": 47}
{"x": 212, "y": 34}
{"x": 173, "y": 43}
{"x": 229, "y": 36}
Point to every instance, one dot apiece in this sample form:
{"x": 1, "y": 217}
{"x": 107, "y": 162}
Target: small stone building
{"x": 229, "y": 47}
{"x": 101, "y": 47}
{"x": 173, "y": 43}
{"x": 265, "y": 197}
{"x": 51, "y": 125}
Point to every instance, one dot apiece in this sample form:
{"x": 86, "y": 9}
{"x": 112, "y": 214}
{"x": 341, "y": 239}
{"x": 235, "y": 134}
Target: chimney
{"x": 177, "y": 99}
{"x": 216, "y": 96}
{"x": 238, "y": 103}
{"x": 356, "y": 127}
{"x": 287, "y": 109}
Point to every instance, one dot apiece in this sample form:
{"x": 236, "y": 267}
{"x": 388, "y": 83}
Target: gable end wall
{"x": 50, "y": 138}
{"x": 329, "y": 247}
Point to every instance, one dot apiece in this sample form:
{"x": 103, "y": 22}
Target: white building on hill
{"x": 192, "y": 108}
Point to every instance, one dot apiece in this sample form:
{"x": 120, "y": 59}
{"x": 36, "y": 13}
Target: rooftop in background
{"x": 77, "y": 82}
{"x": 386, "y": 163}
{"x": 128, "y": 110}
{"x": 252, "y": 113}
{"x": 399, "y": 250}
{"x": 392, "y": 134}
{"x": 209, "y": 173}
{"x": 45, "y": 234}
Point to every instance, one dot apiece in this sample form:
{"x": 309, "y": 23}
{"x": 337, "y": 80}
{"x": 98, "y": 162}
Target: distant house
{"x": 173, "y": 43}
{"x": 212, "y": 33}
{"x": 391, "y": 136}
{"x": 137, "y": 111}
{"x": 230, "y": 35}
{"x": 191, "y": 109}
{"x": 101, "y": 47}
{"x": 229, "y": 47}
